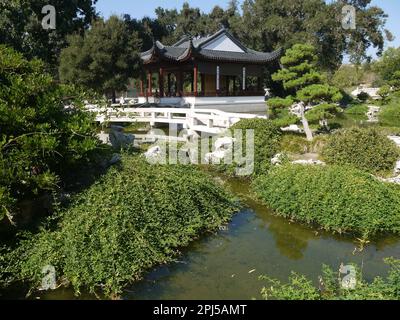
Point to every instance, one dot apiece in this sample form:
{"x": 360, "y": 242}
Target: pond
{"x": 227, "y": 265}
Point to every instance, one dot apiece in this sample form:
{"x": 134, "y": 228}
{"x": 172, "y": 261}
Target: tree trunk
{"x": 114, "y": 96}
{"x": 306, "y": 126}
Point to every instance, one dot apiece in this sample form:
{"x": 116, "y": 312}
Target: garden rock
{"x": 395, "y": 139}
{"x": 309, "y": 162}
{"x": 152, "y": 152}
{"x": 277, "y": 159}
{"x": 397, "y": 168}
{"x": 293, "y": 128}
{"x": 224, "y": 143}
{"x": 120, "y": 140}
{"x": 116, "y": 158}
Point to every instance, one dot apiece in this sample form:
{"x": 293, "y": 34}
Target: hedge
{"x": 364, "y": 148}
{"x": 134, "y": 218}
{"x": 338, "y": 199}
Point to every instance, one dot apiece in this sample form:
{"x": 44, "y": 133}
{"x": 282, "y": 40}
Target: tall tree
{"x": 104, "y": 58}
{"x": 21, "y": 26}
{"x": 301, "y": 77}
{"x": 268, "y": 24}
{"x": 388, "y": 64}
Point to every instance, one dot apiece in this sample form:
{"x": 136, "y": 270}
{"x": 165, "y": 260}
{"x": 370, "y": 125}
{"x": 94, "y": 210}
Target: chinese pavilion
{"x": 217, "y": 66}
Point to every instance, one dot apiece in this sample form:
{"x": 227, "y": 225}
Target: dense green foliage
{"x": 363, "y": 96}
{"x": 267, "y": 24}
{"x": 356, "y": 109}
{"x": 384, "y": 92}
{"x": 262, "y": 24}
{"x": 40, "y": 140}
{"x": 390, "y": 114}
{"x": 347, "y": 76}
{"x": 266, "y": 141}
{"x": 388, "y": 64}
{"x": 297, "y": 144}
{"x": 301, "y": 78}
{"x": 339, "y": 199}
{"x": 364, "y": 148}
{"x": 21, "y": 28}
{"x": 301, "y": 288}
{"x": 137, "y": 216}
{"x": 104, "y": 58}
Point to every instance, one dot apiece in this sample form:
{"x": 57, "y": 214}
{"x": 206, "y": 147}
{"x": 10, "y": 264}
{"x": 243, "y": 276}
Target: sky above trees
{"x": 146, "y": 8}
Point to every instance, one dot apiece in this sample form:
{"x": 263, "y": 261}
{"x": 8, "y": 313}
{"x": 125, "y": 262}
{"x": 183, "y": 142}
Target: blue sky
{"x": 139, "y": 9}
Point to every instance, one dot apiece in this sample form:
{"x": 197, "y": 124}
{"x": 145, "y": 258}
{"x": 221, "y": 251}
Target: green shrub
{"x": 292, "y": 143}
{"x": 301, "y": 288}
{"x": 296, "y": 144}
{"x": 339, "y": 199}
{"x": 384, "y": 92}
{"x": 358, "y": 109}
{"x": 363, "y": 96}
{"x": 40, "y": 140}
{"x": 364, "y": 148}
{"x": 134, "y": 218}
{"x": 266, "y": 141}
{"x": 390, "y": 115}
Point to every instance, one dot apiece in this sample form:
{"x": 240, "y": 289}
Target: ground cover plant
{"x": 135, "y": 217}
{"x": 339, "y": 199}
{"x": 330, "y": 287}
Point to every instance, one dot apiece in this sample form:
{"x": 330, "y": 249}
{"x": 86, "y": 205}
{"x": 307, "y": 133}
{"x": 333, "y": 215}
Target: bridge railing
{"x": 201, "y": 119}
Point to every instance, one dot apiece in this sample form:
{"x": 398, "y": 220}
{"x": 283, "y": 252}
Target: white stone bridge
{"x": 199, "y": 120}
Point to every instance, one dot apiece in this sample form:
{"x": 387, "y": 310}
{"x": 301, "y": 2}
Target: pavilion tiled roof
{"x": 187, "y": 48}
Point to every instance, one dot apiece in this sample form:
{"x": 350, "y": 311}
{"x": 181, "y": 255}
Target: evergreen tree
{"x": 104, "y": 58}
{"x": 301, "y": 78}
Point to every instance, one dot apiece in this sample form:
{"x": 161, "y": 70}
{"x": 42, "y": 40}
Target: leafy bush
{"x": 266, "y": 141}
{"x": 359, "y": 109}
{"x": 294, "y": 143}
{"x": 347, "y": 76}
{"x": 39, "y": 139}
{"x": 364, "y": 148}
{"x": 339, "y": 199}
{"x": 384, "y": 92}
{"x": 363, "y": 96}
{"x": 134, "y": 218}
{"x": 301, "y": 288}
{"x": 390, "y": 114}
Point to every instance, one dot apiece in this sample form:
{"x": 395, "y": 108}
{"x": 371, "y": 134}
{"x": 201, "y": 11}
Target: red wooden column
{"x": 180, "y": 84}
{"x": 141, "y": 88}
{"x": 161, "y": 82}
{"x": 195, "y": 69}
{"x": 149, "y": 84}
{"x": 169, "y": 85}
{"x": 203, "y": 84}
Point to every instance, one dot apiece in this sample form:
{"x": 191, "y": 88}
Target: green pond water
{"x": 218, "y": 266}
